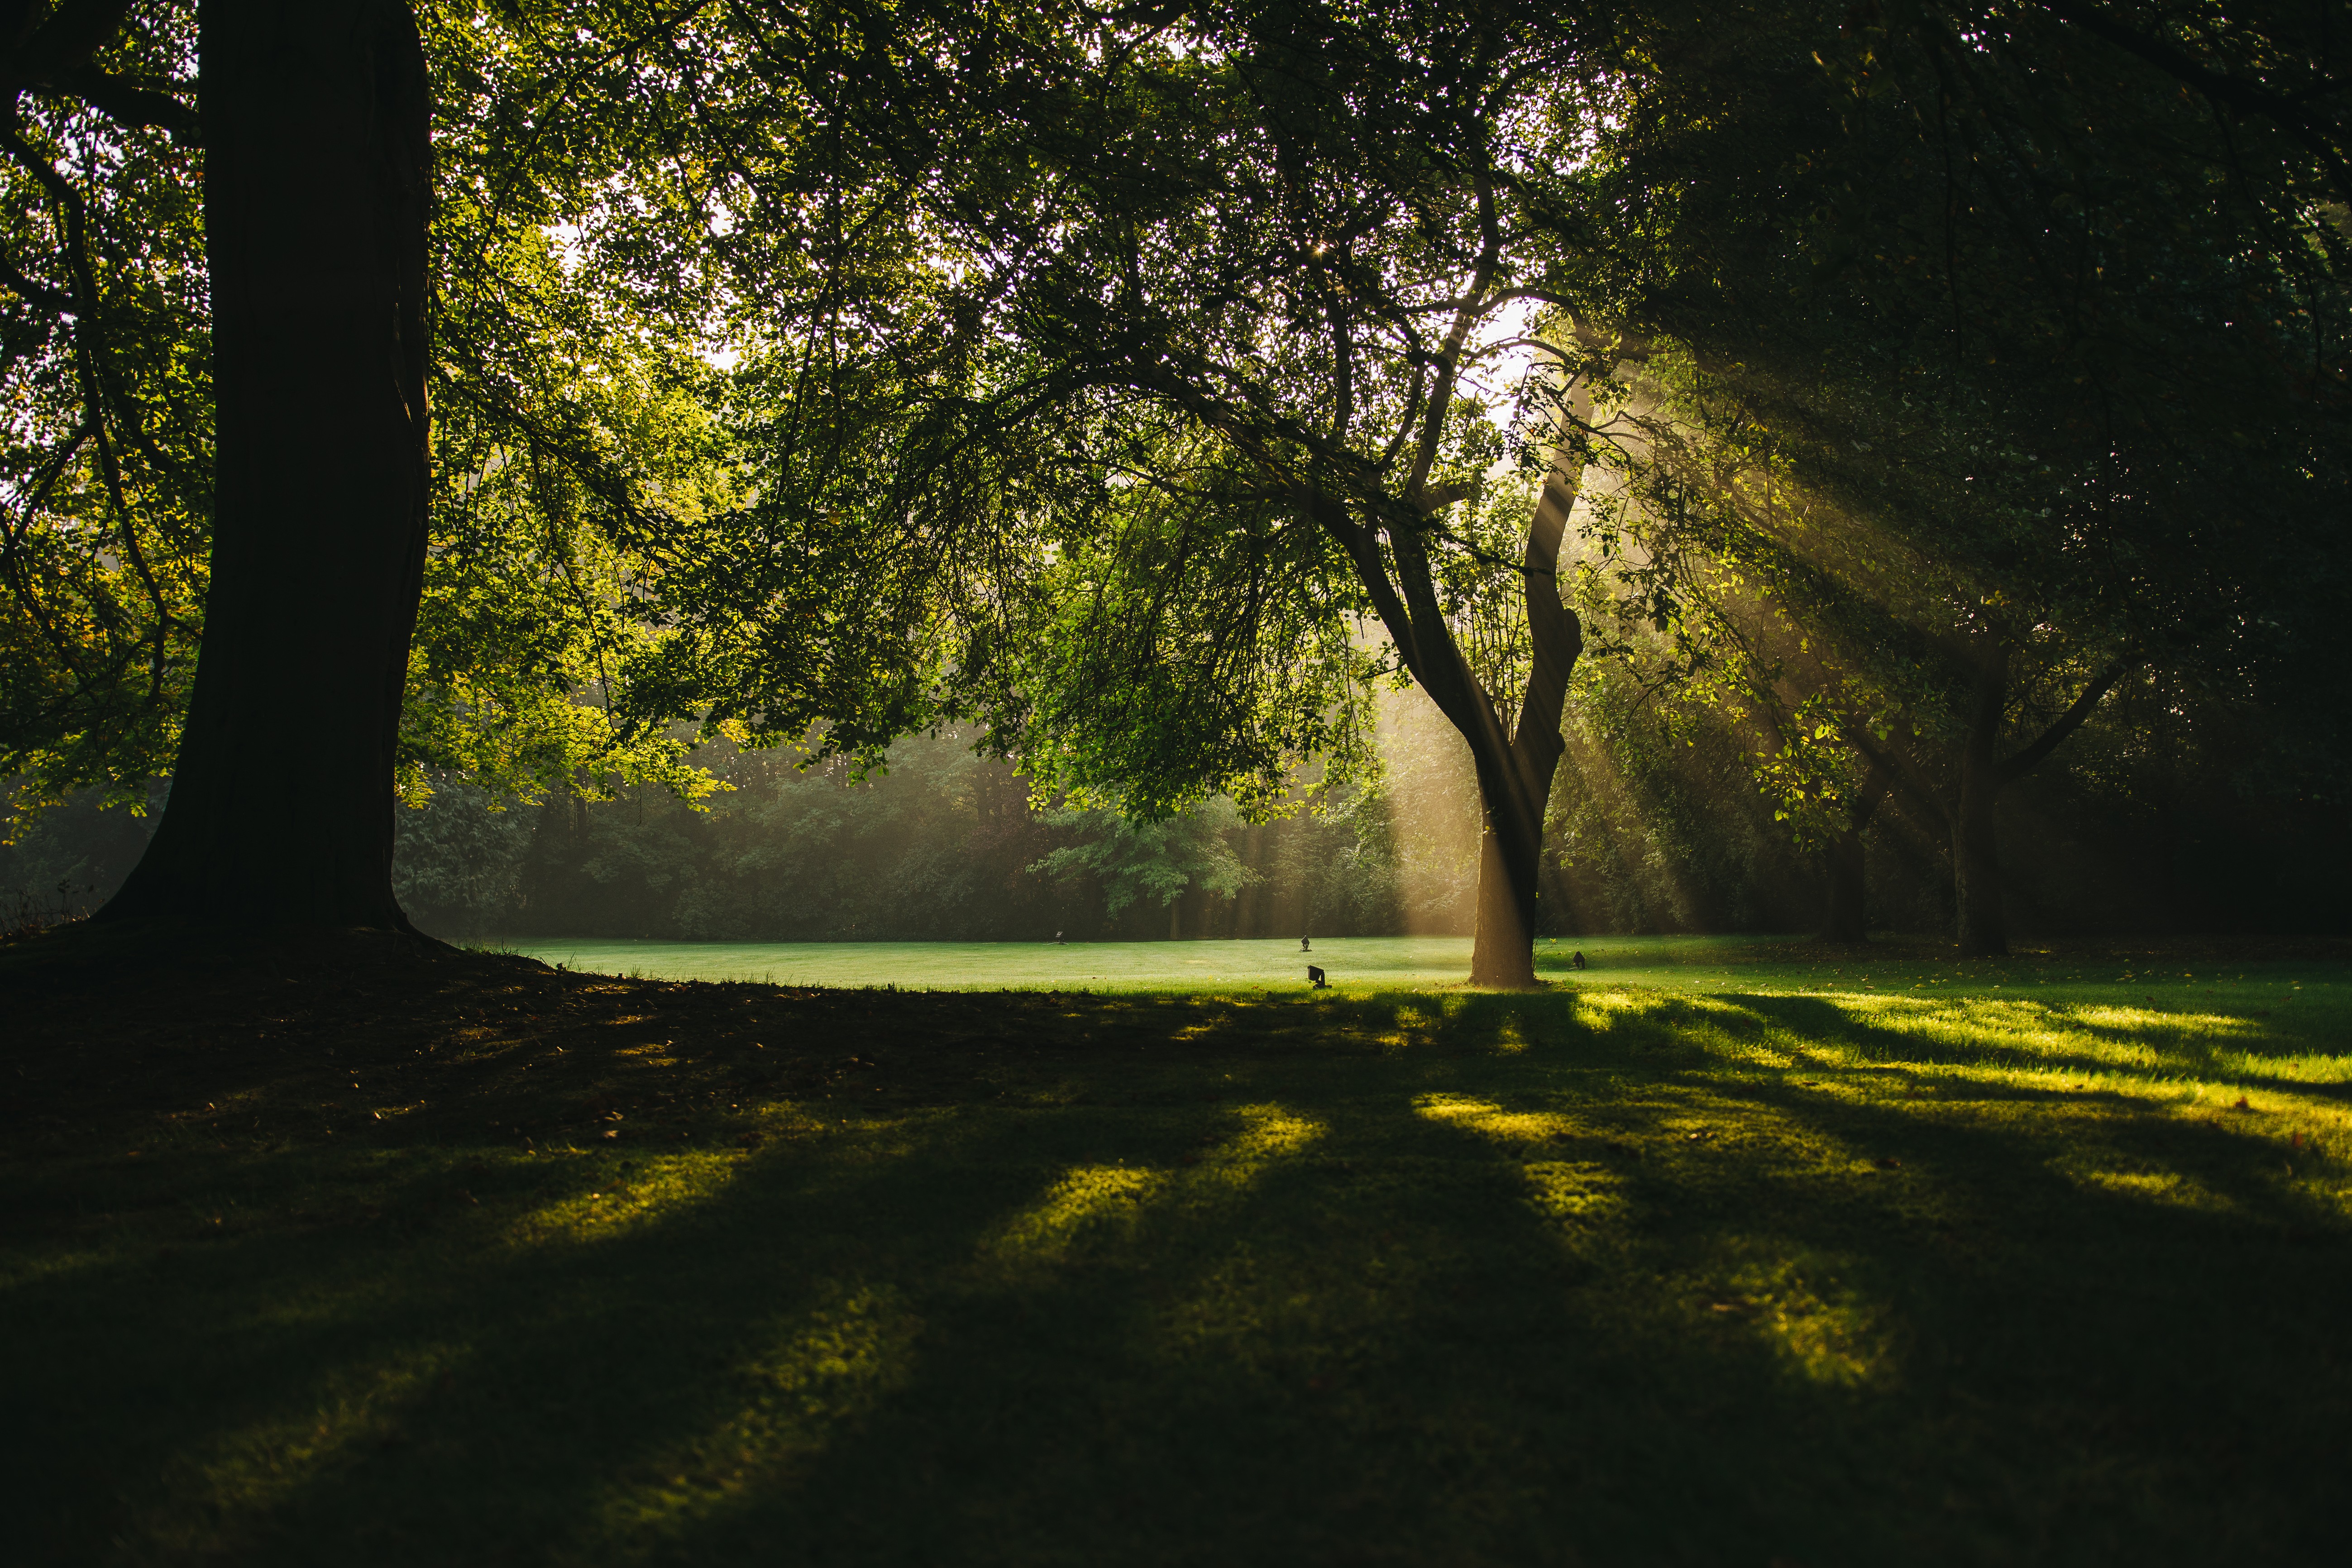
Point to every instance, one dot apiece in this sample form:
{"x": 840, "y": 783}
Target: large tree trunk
{"x": 317, "y": 177}
{"x": 1976, "y": 861}
{"x": 1510, "y": 847}
{"x": 1515, "y": 775}
{"x": 1976, "y": 844}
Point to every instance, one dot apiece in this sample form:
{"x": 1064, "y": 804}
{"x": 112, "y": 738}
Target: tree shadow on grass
{"x": 1399, "y": 1353}
{"x": 1437, "y": 1280}
{"x": 1791, "y": 1023}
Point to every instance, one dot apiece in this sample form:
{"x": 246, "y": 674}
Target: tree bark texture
{"x": 317, "y": 180}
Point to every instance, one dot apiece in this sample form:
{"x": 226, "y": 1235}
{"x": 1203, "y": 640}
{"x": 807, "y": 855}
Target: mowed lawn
{"x": 1763, "y": 1257}
{"x": 1352, "y": 962}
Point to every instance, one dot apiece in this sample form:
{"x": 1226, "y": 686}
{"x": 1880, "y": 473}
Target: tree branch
{"x": 2069, "y": 722}
{"x": 128, "y": 103}
{"x": 34, "y": 291}
{"x": 1554, "y": 631}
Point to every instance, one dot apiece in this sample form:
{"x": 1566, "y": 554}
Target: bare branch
{"x": 2064, "y": 725}
{"x": 33, "y": 290}
{"x": 128, "y": 104}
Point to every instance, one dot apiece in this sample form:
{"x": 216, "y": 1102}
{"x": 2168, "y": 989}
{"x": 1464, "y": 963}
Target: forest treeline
{"x": 1655, "y": 825}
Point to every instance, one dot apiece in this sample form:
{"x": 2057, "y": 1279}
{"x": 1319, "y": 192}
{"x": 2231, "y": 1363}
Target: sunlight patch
{"x": 1269, "y": 1132}
{"x": 1602, "y": 1011}
{"x": 1581, "y": 1191}
{"x": 1087, "y": 1199}
{"x": 2104, "y": 1170}
{"x": 1819, "y": 1329}
{"x": 1413, "y": 1027}
{"x": 617, "y": 1204}
{"x": 1484, "y": 1116}
{"x": 818, "y": 1371}
{"x": 1835, "y": 1338}
{"x": 1092, "y": 1204}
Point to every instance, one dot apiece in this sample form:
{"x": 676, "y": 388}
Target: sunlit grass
{"x": 1739, "y": 1256}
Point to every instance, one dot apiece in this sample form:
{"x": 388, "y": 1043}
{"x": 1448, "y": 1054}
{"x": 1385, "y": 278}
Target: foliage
{"x": 1138, "y": 861}
{"x": 1135, "y": 387}
{"x": 105, "y": 457}
{"x": 2049, "y": 361}
{"x": 583, "y": 444}
{"x": 1216, "y": 309}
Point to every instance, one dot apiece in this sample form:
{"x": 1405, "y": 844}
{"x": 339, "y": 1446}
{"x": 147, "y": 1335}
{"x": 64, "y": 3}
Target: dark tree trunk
{"x": 1970, "y": 816}
{"x": 1844, "y": 890}
{"x": 317, "y": 176}
{"x": 1515, "y": 765}
{"x": 1976, "y": 861}
{"x": 1510, "y": 847}
{"x": 1976, "y": 843}
{"x": 1514, "y": 775}
{"x": 1845, "y": 887}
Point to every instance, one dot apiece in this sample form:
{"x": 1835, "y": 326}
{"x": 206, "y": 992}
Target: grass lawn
{"x": 1743, "y": 1255}
{"x": 1353, "y": 962}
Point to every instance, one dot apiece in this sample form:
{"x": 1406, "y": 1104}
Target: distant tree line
{"x": 1655, "y": 825}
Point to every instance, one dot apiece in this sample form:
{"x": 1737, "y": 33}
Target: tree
{"x": 1133, "y": 861}
{"x": 224, "y": 434}
{"x": 318, "y": 181}
{"x": 1226, "y": 347}
{"x": 1957, "y": 421}
{"x": 1031, "y": 307}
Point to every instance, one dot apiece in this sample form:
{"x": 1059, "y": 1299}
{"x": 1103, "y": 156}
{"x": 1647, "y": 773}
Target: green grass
{"x": 1359, "y": 964}
{"x": 1721, "y": 1255}
{"x": 1099, "y": 966}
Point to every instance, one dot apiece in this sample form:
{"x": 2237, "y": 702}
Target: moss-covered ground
{"x": 363, "y": 1260}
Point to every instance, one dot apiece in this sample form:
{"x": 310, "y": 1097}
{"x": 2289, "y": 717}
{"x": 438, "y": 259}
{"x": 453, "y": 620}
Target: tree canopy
{"x": 1148, "y": 386}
